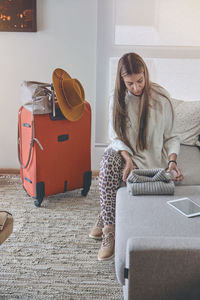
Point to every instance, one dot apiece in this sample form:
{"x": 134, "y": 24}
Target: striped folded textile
{"x": 150, "y": 182}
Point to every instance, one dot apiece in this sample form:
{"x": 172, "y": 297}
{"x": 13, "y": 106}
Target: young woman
{"x": 142, "y": 136}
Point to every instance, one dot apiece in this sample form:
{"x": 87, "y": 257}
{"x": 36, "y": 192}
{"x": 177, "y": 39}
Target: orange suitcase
{"x": 60, "y": 158}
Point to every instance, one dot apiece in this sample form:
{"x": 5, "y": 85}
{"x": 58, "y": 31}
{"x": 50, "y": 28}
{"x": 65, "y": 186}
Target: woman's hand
{"x": 176, "y": 172}
{"x": 128, "y": 165}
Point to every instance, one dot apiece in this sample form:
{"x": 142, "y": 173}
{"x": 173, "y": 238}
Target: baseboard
{"x": 95, "y": 173}
{"x": 9, "y": 171}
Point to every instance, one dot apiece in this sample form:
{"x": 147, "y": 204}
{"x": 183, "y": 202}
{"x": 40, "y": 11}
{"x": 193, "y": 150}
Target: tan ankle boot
{"x": 97, "y": 230}
{"x": 107, "y": 248}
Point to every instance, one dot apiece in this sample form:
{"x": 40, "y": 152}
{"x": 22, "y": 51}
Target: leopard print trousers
{"x": 110, "y": 179}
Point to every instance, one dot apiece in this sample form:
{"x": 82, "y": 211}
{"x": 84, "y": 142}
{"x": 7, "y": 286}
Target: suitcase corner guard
{"x": 39, "y": 193}
{"x": 87, "y": 179}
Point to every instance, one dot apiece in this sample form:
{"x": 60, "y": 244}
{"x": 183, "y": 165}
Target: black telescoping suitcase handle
{"x": 56, "y": 113}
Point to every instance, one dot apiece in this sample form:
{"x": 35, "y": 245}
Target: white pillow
{"x": 188, "y": 161}
{"x": 187, "y": 121}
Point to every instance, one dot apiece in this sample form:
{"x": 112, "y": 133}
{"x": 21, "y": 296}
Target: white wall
{"x": 66, "y": 38}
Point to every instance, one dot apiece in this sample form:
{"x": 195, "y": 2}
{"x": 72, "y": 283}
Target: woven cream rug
{"x": 49, "y": 254}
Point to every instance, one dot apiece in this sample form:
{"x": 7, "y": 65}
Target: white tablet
{"x": 185, "y": 206}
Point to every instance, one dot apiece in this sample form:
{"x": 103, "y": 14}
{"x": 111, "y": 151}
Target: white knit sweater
{"x": 161, "y": 138}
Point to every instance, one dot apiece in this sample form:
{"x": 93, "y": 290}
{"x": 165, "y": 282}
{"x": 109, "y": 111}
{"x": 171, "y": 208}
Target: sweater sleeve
{"x": 116, "y": 143}
{"x": 171, "y": 139}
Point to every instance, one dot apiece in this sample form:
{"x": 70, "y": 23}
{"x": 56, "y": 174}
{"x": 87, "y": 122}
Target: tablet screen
{"x": 186, "y": 206}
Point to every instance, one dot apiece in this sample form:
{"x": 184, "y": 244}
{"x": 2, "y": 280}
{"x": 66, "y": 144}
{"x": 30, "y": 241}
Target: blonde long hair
{"x": 131, "y": 63}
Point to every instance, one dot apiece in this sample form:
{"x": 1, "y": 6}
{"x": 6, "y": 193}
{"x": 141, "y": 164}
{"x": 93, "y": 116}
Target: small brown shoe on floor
{"x": 107, "y": 248}
{"x": 7, "y": 229}
{"x": 97, "y": 230}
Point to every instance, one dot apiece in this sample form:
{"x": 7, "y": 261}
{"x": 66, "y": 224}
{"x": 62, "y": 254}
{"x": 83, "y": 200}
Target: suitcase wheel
{"x": 37, "y": 203}
{"x": 84, "y": 193}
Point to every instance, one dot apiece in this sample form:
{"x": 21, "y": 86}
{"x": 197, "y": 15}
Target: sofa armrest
{"x": 163, "y": 268}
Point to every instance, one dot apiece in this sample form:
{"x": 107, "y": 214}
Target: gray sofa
{"x": 157, "y": 249}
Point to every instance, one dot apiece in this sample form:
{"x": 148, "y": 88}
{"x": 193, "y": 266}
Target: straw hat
{"x": 70, "y": 94}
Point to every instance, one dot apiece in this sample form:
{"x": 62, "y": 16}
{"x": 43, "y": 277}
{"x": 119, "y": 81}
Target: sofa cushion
{"x": 150, "y": 216}
{"x": 187, "y": 121}
{"x": 189, "y": 162}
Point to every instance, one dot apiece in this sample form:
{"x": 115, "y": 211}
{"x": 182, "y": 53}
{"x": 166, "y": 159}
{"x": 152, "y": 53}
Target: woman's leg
{"x": 110, "y": 178}
{"x": 109, "y": 181}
